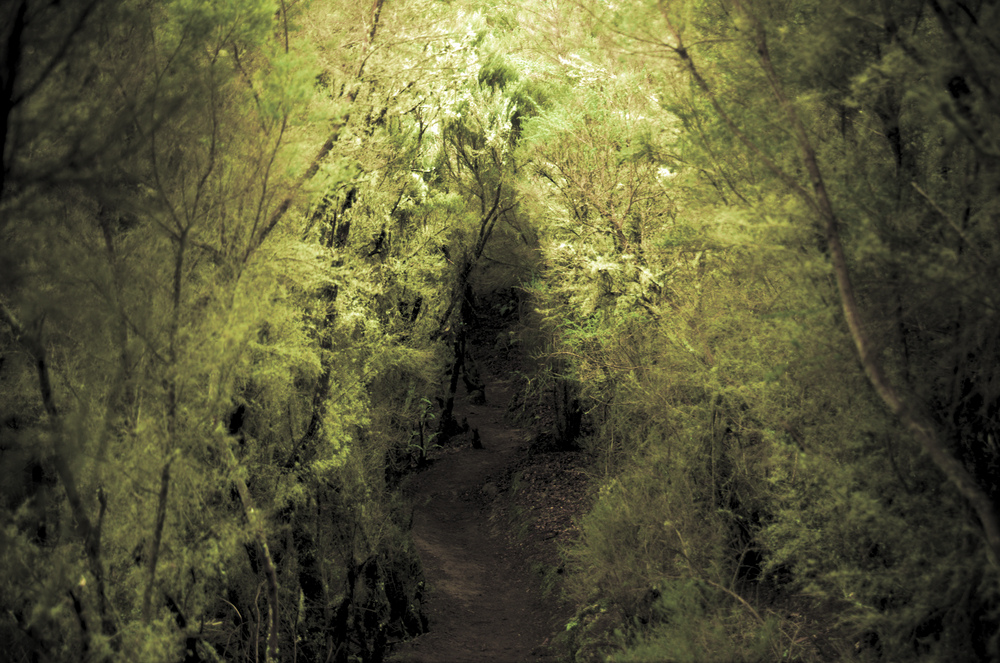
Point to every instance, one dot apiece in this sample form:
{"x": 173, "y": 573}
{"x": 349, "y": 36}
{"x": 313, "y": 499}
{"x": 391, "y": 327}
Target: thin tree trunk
{"x": 154, "y": 548}
{"x": 10, "y": 65}
{"x": 253, "y": 519}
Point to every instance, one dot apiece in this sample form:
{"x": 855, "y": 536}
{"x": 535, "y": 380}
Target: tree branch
{"x": 60, "y": 55}
{"x": 286, "y": 203}
{"x": 968, "y": 62}
{"x": 366, "y": 45}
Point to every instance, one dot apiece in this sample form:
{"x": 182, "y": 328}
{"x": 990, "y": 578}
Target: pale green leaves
{"x": 286, "y": 85}
{"x": 584, "y": 73}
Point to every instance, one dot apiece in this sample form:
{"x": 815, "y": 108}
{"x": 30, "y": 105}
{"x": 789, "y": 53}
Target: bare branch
{"x": 31, "y": 341}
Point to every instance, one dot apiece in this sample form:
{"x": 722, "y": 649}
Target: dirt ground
{"x": 484, "y": 597}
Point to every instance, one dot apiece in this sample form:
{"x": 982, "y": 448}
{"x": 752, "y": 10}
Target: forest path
{"x": 483, "y": 600}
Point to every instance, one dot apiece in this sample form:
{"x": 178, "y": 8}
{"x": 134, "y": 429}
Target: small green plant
{"x": 422, "y": 439}
{"x": 551, "y": 576}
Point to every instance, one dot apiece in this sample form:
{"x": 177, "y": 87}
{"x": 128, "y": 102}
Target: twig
{"x": 951, "y": 222}
{"x": 737, "y": 597}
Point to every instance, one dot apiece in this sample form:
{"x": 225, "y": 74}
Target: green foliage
{"x": 644, "y": 528}
{"x": 697, "y": 622}
{"x": 204, "y": 453}
{"x": 221, "y": 344}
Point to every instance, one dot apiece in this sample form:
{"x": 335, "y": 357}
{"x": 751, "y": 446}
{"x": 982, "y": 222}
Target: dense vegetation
{"x": 753, "y": 244}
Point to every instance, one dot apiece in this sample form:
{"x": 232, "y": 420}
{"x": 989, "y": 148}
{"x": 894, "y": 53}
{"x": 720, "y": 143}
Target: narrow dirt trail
{"x": 483, "y": 601}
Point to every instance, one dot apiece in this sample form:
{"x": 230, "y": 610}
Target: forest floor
{"x": 487, "y": 523}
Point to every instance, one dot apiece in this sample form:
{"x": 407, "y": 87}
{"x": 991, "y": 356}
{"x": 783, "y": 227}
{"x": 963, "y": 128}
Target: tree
{"x": 832, "y": 138}
{"x": 160, "y": 287}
